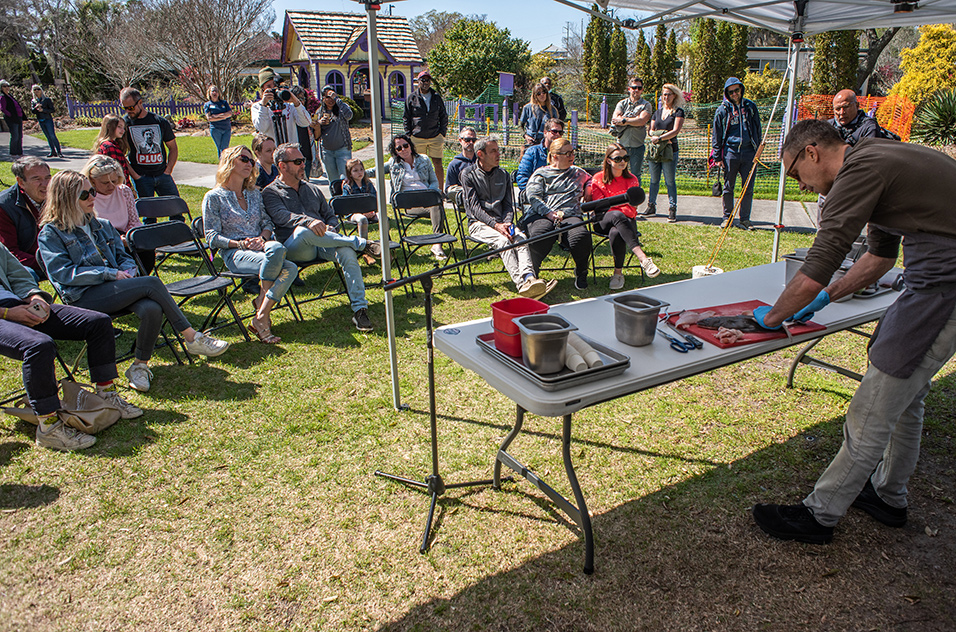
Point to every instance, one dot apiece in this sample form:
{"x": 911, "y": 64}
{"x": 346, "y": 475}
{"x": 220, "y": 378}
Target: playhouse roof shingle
{"x": 328, "y": 36}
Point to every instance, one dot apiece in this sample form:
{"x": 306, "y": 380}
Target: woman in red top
{"x": 111, "y": 141}
{"x": 618, "y": 223}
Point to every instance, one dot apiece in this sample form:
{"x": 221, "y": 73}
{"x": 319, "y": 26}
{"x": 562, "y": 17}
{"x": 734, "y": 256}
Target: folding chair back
{"x": 156, "y": 236}
{"x": 335, "y": 187}
{"x": 166, "y": 206}
{"x": 403, "y": 202}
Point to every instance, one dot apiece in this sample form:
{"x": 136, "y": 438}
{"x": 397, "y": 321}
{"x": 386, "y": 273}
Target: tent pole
{"x": 384, "y": 236}
{"x": 788, "y": 117}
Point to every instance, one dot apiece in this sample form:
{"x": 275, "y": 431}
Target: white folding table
{"x": 650, "y": 365}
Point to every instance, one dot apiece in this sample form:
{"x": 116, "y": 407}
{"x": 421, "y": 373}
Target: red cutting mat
{"x": 735, "y": 309}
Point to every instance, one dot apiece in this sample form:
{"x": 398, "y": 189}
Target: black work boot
{"x": 792, "y": 522}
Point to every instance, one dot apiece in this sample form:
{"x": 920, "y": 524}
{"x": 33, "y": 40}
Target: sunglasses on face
{"x": 86, "y": 194}
{"x": 635, "y": 87}
{"x": 296, "y": 161}
{"x": 564, "y": 153}
{"x": 617, "y": 159}
{"x": 556, "y": 132}
{"x": 734, "y": 91}
{"x": 130, "y": 108}
{"x": 247, "y": 160}
{"x": 401, "y": 147}
{"x": 468, "y": 140}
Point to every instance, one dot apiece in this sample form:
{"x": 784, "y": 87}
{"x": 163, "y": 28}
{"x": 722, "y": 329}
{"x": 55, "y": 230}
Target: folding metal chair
{"x": 598, "y": 240}
{"x": 167, "y": 206}
{"x": 114, "y": 315}
{"x": 156, "y": 236}
{"x": 405, "y": 201}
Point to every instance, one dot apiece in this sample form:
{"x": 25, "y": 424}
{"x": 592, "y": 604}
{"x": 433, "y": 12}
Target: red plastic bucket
{"x": 507, "y": 336}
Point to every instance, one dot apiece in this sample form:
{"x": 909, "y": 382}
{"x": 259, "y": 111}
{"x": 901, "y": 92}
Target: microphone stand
{"x": 434, "y": 483}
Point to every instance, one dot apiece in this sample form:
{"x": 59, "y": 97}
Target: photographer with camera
{"x": 279, "y": 113}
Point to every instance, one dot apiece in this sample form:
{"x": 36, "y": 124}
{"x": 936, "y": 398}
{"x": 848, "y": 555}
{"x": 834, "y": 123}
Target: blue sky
{"x": 540, "y": 22}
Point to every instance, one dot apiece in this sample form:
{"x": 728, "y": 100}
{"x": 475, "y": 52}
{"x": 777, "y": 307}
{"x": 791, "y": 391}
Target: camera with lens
{"x": 281, "y": 96}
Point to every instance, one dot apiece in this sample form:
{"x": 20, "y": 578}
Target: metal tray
{"x": 615, "y": 363}
{"x": 879, "y": 291}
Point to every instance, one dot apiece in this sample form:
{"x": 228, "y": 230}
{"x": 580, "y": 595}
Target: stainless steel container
{"x": 544, "y": 341}
{"x": 636, "y": 317}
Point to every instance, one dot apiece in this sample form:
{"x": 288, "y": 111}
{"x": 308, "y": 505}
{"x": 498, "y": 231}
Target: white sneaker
{"x": 438, "y": 253}
{"x": 206, "y": 345}
{"x": 617, "y": 281}
{"x": 59, "y": 436}
{"x": 127, "y": 410}
{"x": 139, "y": 376}
{"x": 649, "y": 268}
{"x": 532, "y": 288}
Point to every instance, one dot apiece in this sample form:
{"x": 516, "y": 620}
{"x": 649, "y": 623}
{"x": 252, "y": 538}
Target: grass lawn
{"x": 244, "y": 498}
{"x": 191, "y": 148}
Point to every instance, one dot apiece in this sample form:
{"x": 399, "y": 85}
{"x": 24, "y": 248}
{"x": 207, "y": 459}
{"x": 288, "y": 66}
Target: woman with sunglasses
{"x": 554, "y": 193}
{"x": 410, "y": 171}
{"x": 669, "y": 119}
{"x": 236, "y": 222}
{"x": 618, "y": 222}
{"x": 88, "y": 266}
{"x": 535, "y": 114}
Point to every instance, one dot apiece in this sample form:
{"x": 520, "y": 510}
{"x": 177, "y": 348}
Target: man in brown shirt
{"x": 901, "y": 193}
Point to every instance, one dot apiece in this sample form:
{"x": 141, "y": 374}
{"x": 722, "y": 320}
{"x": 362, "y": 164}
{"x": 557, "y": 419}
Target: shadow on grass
{"x": 200, "y": 380}
{"x": 689, "y": 557}
{"x": 9, "y": 451}
{"x": 17, "y": 496}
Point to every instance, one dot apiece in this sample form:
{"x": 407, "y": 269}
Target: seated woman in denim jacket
{"x": 88, "y": 266}
{"x": 237, "y": 224}
{"x": 411, "y": 171}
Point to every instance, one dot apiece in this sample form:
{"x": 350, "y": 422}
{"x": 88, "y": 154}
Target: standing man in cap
{"x": 290, "y": 114}
{"x": 426, "y": 122}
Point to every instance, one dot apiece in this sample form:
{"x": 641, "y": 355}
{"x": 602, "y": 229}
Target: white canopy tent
{"x": 796, "y": 18}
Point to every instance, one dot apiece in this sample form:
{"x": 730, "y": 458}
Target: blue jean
{"x": 669, "y": 170}
{"x": 163, "y": 184}
{"x": 49, "y": 130}
{"x": 220, "y": 137}
{"x": 270, "y": 264}
{"x": 733, "y": 166}
{"x": 16, "y": 138}
{"x": 334, "y": 162}
{"x": 881, "y": 435}
{"x": 304, "y": 245}
{"x": 635, "y": 161}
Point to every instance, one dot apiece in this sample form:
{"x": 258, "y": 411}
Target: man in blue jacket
{"x": 736, "y": 136}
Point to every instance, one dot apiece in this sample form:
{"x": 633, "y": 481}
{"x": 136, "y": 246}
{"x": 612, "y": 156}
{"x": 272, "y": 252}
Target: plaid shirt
{"x": 109, "y": 148}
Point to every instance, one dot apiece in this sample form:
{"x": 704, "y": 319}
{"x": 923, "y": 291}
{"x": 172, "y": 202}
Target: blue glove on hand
{"x": 760, "y": 313}
{"x": 805, "y": 314}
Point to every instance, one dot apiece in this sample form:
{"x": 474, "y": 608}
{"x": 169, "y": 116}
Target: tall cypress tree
{"x": 708, "y": 64}
{"x": 597, "y": 52}
{"x": 642, "y": 57}
{"x": 847, "y": 59}
{"x": 725, "y": 49}
{"x": 738, "y": 59}
{"x": 617, "y": 75}
{"x": 652, "y": 86}
{"x": 672, "y": 59}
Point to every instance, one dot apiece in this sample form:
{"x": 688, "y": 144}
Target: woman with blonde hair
{"x": 88, "y": 266}
{"x": 535, "y": 115}
{"x": 665, "y": 125}
{"x": 618, "y": 222}
{"x": 236, "y": 223}
{"x": 111, "y": 141}
{"x": 554, "y": 193}
{"x": 116, "y": 202}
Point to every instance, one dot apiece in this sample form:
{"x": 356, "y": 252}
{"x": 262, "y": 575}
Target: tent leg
{"x": 788, "y": 117}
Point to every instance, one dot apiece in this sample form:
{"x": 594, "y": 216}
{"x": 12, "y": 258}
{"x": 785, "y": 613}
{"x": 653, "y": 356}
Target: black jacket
{"x": 425, "y": 123}
{"x": 860, "y": 127}
{"x": 13, "y": 204}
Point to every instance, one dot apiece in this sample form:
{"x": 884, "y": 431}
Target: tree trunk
{"x": 875, "y": 47}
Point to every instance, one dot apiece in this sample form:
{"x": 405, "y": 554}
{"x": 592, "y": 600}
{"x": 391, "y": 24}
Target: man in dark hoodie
{"x": 736, "y": 136}
{"x": 466, "y": 138}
